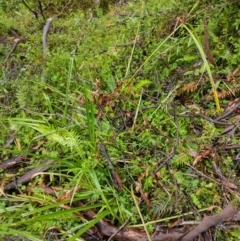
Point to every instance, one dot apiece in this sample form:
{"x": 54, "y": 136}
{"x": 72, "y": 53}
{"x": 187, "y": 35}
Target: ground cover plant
{"x": 120, "y": 120}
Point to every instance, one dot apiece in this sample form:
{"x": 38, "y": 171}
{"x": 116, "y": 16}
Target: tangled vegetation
{"x": 132, "y": 114}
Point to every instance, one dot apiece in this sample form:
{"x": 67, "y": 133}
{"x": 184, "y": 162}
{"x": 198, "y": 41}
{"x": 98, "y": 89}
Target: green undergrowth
{"x": 131, "y": 77}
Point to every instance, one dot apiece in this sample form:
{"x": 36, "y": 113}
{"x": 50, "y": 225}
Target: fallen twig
{"x": 17, "y": 159}
{"x": 29, "y": 175}
{"x": 234, "y": 106}
{"x": 115, "y": 177}
{"x": 131, "y": 234}
{"x": 12, "y": 161}
{"x": 16, "y": 42}
{"x": 45, "y": 34}
{"x": 32, "y": 11}
{"x": 227, "y": 213}
{"x": 223, "y": 179}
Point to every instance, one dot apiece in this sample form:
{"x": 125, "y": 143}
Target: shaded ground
{"x": 129, "y": 121}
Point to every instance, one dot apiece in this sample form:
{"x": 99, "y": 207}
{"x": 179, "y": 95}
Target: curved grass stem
{"x": 200, "y": 48}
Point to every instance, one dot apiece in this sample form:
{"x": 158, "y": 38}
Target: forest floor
{"x": 120, "y": 123}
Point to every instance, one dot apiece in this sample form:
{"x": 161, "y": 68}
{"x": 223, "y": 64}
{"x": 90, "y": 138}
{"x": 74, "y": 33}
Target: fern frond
{"x": 195, "y": 200}
{"x": 180, "y": 160}
{"x": 21, "y": 97}
{"x": 66, "y": 138}
{"x": 163, "y": 207}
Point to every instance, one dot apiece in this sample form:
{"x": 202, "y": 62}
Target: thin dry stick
{"x": 228, "y": 212}
{"x": 17, "y": 41}
{"x": 41, "y": 10}
{"x": 29, "y": 175}
{"x": 117, "y": 182}
{"x": 32, "y": 11}
{"x": 121, "y": 227}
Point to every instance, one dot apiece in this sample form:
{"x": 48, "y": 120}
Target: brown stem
{"x": 227, "y": 213}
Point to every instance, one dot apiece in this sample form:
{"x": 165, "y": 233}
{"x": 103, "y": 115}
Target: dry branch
{"x": 45, "y": 35}
{"x": 16, "y": 42}
{"x": 227, "y": 213}
{"x": 131, "y": 234}
{"x": 29, "y": 175}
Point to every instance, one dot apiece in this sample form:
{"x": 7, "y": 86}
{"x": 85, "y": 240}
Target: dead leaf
{"x": 144, "y": 174}
{"x": 175, "y": 223}
{"x": 231, "y": 185}
{"x": 117, "y": 181}
{"x": 144, "y": 196}
{"x": 192, "y": 153}
{"x": 10, "y": 140}
{"x": 203, "y": 154}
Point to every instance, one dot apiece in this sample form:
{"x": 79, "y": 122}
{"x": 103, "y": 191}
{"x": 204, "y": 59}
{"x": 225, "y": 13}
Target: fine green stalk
{"x": 154, "y": 52}
{"x": 140, "y": 214}
{"x": 132, "y": 51}
{"x": 167, "y": 218}
{"x": 136, "y": 115}
{"x": 20, "y": 233}
{"x": 68, "y": 88}
{"x": 131, "y": 56}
